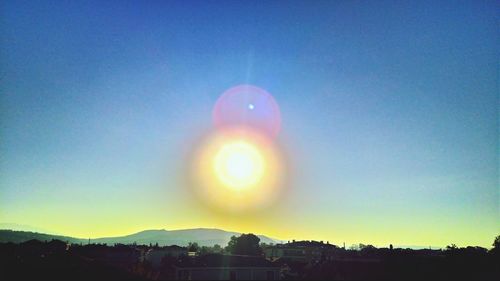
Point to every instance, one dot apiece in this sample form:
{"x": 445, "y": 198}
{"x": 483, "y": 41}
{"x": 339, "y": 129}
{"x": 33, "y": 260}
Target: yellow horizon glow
{"x": 119, "y": 219}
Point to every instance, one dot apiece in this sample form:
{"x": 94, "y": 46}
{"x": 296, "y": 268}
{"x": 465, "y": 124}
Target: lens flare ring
{"x": 248, "y": 106}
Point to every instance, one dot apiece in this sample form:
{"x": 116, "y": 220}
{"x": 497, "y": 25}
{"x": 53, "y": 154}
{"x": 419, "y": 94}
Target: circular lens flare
{"x": 239, "y": 165}
{"x": 248, "y": 106}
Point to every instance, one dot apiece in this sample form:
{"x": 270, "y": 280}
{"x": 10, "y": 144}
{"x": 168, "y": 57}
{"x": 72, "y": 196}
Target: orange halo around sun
{"x": 238, "y": 169}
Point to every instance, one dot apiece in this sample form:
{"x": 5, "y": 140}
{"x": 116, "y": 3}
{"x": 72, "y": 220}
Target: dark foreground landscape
{"x": 243, "y": 258}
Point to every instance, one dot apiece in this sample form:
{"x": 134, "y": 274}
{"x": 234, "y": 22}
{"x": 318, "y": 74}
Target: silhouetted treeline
{"x": 57, "y": 260}
{"x": 301, "y": 260}
{"x": 371, "y": 263}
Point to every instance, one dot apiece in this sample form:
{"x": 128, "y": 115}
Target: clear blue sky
{"x": 389, "y": 108}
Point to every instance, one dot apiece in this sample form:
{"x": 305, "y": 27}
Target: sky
{"x": 389, "y": 115}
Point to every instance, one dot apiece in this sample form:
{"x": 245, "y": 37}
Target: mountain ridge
{"x": 180, "y": 237}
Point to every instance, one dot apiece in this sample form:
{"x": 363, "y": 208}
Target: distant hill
{"x": 202, "y": 236}
{"x": 22, "y": 236}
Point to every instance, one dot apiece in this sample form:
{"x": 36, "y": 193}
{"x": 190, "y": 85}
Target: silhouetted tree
{"x": 193, "y": 247}
{"x": 366, "y": 247}
{"x": 217, "y": 248}
{"x": 231, "y": 244}
{"x": 246, "y": 244}
{"x": 203, "y": 250}
{"x": 496, "y": 243}
{"x": 451, "y": 247}
{"x": 496, "y": 246}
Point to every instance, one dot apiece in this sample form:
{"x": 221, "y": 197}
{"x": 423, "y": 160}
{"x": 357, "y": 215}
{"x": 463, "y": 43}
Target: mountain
{"x": 23, "y": 236}
{"x": 202, "y": 236}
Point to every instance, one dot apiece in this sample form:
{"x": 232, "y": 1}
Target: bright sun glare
{"x": 239, "y": 165}
{"x": 237, "y": 170}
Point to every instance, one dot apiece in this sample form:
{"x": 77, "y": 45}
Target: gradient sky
{"x": 389, "y": 115}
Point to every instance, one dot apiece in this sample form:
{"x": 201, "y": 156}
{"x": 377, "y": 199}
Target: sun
{"x": 239, "y": 165}
{"x": 237, "y": 170}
